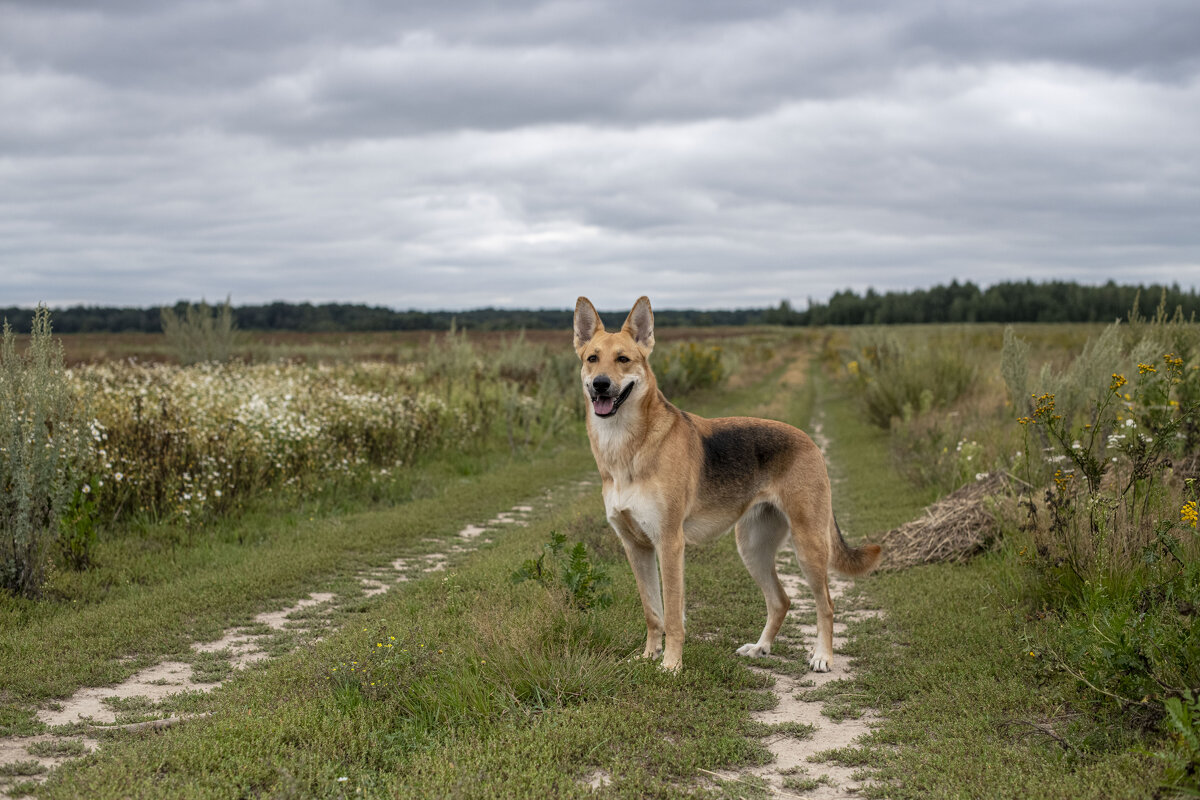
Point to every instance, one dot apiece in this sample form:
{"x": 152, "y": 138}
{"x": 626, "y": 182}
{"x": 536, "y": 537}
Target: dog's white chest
{"x": 625, "y": 503}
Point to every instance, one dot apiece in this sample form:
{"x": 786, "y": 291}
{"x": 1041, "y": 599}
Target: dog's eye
{"x": 592, "y": 359}
{"x": 623, "y": 359}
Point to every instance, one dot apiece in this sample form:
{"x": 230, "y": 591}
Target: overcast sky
{"x": 435, "y": 154}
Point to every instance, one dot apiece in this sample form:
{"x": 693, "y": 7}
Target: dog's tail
{"x": 854, "y": 561}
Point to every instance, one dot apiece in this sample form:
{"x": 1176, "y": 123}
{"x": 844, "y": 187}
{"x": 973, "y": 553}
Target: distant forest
{"x": 958, "y": 302}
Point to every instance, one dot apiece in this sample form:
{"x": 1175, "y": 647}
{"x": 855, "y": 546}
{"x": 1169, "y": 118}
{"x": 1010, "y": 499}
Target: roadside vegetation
{"x": 1094, "y": 591}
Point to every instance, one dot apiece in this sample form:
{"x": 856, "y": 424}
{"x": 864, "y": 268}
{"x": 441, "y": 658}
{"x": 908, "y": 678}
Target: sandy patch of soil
{"x": 792, "y": 756}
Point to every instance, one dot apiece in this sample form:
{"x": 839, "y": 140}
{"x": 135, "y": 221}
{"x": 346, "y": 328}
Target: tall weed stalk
{"x": 43, "y": 448}
{"x": 202, "y": 333}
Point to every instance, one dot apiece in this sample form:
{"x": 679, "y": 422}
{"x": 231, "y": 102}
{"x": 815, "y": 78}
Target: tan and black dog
{"x": 671, "y": 478}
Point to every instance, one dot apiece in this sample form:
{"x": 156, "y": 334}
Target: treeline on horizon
{"x": 1056, "y": 301}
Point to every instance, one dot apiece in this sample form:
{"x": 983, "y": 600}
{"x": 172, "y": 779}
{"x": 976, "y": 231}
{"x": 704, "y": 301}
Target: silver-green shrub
{"x": 1014, "y": 368}
{"x": 202, "y": 334}
{"x": 1081, "y": 386}
{"x": 43, "y": 444}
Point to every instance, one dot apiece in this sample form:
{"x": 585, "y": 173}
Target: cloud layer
{"x": 519, "y": 154}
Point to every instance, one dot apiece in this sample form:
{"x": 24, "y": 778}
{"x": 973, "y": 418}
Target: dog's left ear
{"x": 640, "y": 323}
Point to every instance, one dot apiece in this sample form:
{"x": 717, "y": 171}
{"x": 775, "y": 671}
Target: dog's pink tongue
{"x": 603, "y": 405}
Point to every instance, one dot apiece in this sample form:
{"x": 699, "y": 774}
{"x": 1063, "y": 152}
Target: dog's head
{"x": 616, "y": 366}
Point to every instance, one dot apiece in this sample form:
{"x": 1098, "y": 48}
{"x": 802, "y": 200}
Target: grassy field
{"x": 462, "y": 682}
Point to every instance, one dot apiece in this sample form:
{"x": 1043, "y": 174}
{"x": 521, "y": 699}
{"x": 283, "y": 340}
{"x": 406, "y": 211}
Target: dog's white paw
{"x": 753, "y": 651}
{"x": 820, "y": 663}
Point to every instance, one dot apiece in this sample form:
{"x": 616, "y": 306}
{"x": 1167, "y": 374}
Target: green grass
{"x": 526, "y": 696}
{"x": 156, "y": 605}
{"x": 868, "y": 495}
{"x": 57, "y": 748}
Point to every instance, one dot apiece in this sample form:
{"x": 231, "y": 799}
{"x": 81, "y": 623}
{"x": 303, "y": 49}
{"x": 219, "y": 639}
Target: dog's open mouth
{"x": 607, "y": 406}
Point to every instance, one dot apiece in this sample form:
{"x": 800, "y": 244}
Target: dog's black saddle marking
{"x": 737, "y": 454}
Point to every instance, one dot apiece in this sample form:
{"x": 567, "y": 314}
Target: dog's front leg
{"x": 670, "y": 558}
{"x": 645, "y": 572}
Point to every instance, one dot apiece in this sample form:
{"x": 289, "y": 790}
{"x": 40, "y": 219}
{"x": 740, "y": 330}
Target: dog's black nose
{"x": 601, "y": 384}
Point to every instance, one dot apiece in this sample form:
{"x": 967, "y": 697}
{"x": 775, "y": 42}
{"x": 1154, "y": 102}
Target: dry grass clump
{"x": 953, "y": 529}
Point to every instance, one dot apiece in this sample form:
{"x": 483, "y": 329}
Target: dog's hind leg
{"x": 815, "y": 564}
{"x": 759, "y": 535}
{"x": 645, "y": 572}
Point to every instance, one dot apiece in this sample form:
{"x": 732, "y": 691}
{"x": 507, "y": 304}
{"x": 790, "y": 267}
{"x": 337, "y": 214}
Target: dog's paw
{"x": 820, "y": 663}
{"x": 754, "y": 650}
{"x": 673, "y": 668}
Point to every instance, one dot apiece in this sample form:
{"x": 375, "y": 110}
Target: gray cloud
{"x": 712, "y": 154}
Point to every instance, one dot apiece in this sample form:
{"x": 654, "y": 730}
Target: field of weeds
{"x": 1095, "y": 432}
{"x": 178, "y": 442}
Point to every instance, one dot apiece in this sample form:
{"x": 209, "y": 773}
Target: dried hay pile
{"x": 953, "y": 529}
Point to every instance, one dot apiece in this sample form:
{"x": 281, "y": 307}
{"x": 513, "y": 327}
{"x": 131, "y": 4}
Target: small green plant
{"x": 1183, "y": 759}
{"x": 1133, "y": 436}
{"x": 211, "y": 667}
{"x": 1014, "y": 368}
{"x": 202, "y": 333}
{"x": 43, "y": 445}
{"x": 793, "y": 730}
{"x": 347, "y": 691}
{"x": 585, "y": 582}
{"x": 78, "y": 523}
{"x": 21, "y": 768}
{"x": 804, "y": 783}
{"x": 57, "y": 748}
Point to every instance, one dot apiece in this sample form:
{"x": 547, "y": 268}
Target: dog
{"x": 671, "y": 479}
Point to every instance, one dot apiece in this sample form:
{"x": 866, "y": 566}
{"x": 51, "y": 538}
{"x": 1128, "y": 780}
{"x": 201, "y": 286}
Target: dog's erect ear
{"x": 640, "y": 323}
{"x": 587, "y": 322}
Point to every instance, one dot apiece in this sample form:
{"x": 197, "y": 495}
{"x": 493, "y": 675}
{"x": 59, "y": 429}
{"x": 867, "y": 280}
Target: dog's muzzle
{"x": 605, "y": 405}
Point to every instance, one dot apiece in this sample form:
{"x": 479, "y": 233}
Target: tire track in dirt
{"x": 794, "y": 773}
{"x": 75, "y": 722}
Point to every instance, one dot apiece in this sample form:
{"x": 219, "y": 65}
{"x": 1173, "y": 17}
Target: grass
{"x": 58, "y": 748}
{"x": 132, "y": 614}
{"x": 21, "y": 769}
{"x": 527, "y": 696}
{"x": 967, "y": 711}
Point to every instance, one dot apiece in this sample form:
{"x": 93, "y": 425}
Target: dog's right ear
{"x": 587, "y": 322}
